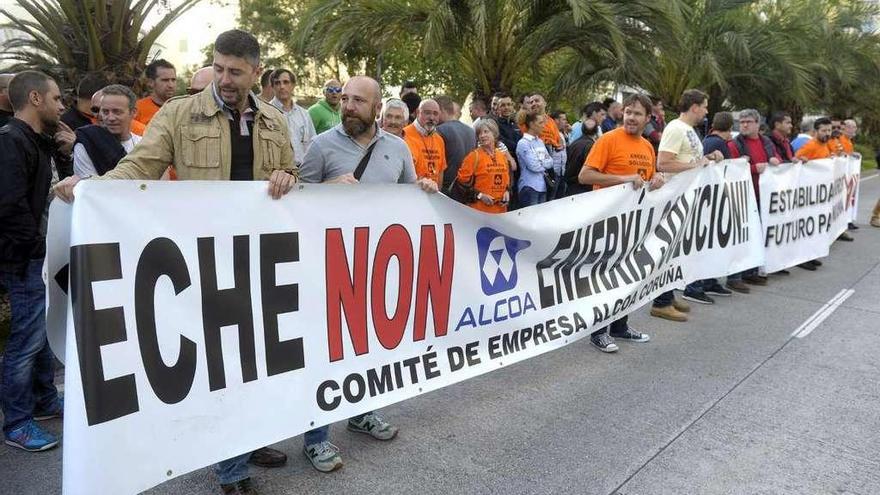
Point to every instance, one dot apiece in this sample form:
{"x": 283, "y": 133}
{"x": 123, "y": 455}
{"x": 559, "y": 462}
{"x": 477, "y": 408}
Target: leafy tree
{"x": 68, "y": 38}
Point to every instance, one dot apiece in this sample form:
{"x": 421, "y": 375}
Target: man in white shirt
{"x": 302, "y": 130}
{"x": 680, "y": 150}
{"x": 99, "y": 147}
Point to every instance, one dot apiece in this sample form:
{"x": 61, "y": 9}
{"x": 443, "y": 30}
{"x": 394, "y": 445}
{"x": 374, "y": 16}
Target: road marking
{"x": 863, "y": 179}
{"x": 824, "y": 312}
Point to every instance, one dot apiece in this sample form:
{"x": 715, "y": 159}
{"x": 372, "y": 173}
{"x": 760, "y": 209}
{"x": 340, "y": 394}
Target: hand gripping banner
{"x": 204, "y": 320}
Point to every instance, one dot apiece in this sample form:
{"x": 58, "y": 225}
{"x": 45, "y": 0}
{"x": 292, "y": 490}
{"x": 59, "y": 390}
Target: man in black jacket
{"x": 27, "y": 173}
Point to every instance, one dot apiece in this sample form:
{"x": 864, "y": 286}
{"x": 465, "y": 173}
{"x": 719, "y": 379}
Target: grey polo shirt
{"x": 335, "y": 153}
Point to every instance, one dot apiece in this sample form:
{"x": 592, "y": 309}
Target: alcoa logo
{"x": 498, "y": 260}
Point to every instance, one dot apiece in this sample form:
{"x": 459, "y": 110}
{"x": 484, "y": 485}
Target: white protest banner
{"x": 207, "y": 320}
{"x": 804, "y": 208}
{"x": 852, "y": 185}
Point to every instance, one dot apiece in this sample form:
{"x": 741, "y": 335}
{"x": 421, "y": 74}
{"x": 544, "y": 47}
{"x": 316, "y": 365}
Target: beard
{"x": 356, "y": 125}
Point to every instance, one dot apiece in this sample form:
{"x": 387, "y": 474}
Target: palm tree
{"x": 68, "y": 38}
{"x": 493, "y": 44}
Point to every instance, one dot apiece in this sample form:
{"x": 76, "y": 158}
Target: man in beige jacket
{"x": 222, "y": 133}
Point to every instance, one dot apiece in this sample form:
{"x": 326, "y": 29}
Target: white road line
{"x": 817, "y": 313}
{"x": 863, "y": 179}
{"x": 814, "y": 321}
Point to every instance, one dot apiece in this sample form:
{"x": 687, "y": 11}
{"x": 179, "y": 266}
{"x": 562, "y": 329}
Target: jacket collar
{"x": 210, "y": 104}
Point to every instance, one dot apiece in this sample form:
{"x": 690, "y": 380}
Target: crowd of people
{"x": 516, "y": 154}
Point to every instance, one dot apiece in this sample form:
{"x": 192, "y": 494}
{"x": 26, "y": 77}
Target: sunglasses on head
{"x": 333, "y": 89}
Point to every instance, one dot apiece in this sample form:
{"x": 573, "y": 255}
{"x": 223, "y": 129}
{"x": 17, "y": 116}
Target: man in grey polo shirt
{"x": 335, "y": 154}
{"x": 332, "y": 158}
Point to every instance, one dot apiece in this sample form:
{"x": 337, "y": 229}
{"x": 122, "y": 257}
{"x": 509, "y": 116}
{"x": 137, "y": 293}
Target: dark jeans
{"x": 617, "y": 326}
{"x": 664, "y": 299}
{"x": 28, "y": 364}
{"x": 530, "y": 197}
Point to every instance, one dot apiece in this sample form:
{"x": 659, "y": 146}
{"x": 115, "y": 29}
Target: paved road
{"x": 728, "y": 403}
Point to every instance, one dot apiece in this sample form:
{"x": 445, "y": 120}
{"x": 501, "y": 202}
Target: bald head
{"x": 4, "y": 87}
{"x": 201, "y": 79}
{"x": 429, "y": 115}
{"x": 360, "y": 102}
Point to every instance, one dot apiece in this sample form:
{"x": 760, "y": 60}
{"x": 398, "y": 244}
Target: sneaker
{"x": 58, "y": 412}
{"x": 845, "y": 237}
{"x": 875, "y": 222}
{"x": 808, "y": 266}
{"x": 631, "y": 335}
{"x": 681, "y": 305}
{"x": 668, "y": 313}
{"x": 815, "y": 262}
{"x": 31, "y": 437}
{"x": 603, "y": 342}
{"x": 852, "y": 226}
{"x": 698, "y": 297}
{"x": 372, "y": 424}
{"x": 717, "y": 290}
{"x": 324, "y": 456}
{"x": 755, "y": 280}
{"x": 738, "y": 286}
{"x": 242, "y": 487}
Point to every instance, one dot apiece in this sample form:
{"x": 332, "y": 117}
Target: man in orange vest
{"x": 162, "y": 81}
{"x": 425, "y": 143}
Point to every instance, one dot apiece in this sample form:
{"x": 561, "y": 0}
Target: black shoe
{"x": 815, "y": 262}
{"x": 697, "y": 297}
{"x": 268, "y": 458}
{"x": 852, "y": 226}
{"x": 631, "y": 335}
{"x": 845, "y": 237}
{"x": 603, "y": 342}
{"x": 808, "y": 266}
{"x": 782, "y": 272}
{"x": 243, "y": 487}
{"x": 755, "y": 280}
{"x": 717, "y": 290}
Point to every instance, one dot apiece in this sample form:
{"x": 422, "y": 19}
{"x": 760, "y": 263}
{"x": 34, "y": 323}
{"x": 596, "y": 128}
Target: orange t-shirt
{"x": 814, "y": 150}
{"x": 491, "y": 177}
{"x": 619, "y": 153}
{"x": 428, "y": 152}
{"x": 146, "y": 108}
{"x": 840, "y": 145}
{"x": 550, "y": 134}
{"x": 138, "y": 128}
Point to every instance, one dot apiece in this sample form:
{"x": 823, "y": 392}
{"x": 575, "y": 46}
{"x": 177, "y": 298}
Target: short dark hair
{"x": 90, "y": 84}
{"x": 481, "y": 103}
{"x": 722, "y": 121}
{"x": 412, "y": 101}
{"x": 639, "y": 98}
{"x": 501, "y": 94}
{"x": 445, "y": 103}
{"x": 592, "y": 107}
{"x": 608, "y": 101}
{"x": 409, "y": 84}
{"x": 277, "y": 73}
{"x": 557, "y": 113}
{"x": 238, "y": 43}
{"x": 691, "y": 97}
{"x": 152, "y": 70}
{"x": 266, "y": 78}
{"x": 23, "y": 83}
{"x": 776, "y": 117}
{"x": 820, "y": 122}
{"x": 120, "y": 90}
{"x": 530, "y": 117}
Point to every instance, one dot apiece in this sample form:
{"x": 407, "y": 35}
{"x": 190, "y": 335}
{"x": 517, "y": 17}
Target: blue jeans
{"x": 322, "y": 434}
{"x": 530, "y": 197}
{"x": 28, "y": 364}
{"x": 232, "y": 470}
{"x": 664, "y": 300}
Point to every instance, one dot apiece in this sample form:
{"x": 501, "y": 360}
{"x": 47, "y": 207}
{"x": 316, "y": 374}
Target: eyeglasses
{"x": 333, "y": 89}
